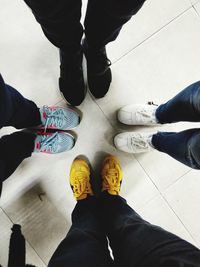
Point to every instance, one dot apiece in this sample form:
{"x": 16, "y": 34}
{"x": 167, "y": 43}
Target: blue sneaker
{"x": 53, "y": 143}
{"x": 58, "y": 118}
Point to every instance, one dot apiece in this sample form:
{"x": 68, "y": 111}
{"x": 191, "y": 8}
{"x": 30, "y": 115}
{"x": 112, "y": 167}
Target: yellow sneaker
{"x": 80, "y": 179}
{"x": 111, "y": 175}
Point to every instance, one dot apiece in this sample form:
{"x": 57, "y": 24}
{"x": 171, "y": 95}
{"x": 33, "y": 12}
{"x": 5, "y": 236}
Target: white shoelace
{"x": 144, "y": 115}
{"x": 139, "y": 142}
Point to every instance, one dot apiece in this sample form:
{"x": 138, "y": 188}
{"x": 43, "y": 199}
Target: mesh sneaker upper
{"x": 59, "y": 118}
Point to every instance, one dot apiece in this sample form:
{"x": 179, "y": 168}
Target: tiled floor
{"x": 155, "y": 56}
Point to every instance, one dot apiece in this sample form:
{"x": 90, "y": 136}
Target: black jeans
{"x": 134, "y": 242}
{"x": 60, "y": 20}
{"x": 183, "y": 146}
{"x": 19, "y": 112}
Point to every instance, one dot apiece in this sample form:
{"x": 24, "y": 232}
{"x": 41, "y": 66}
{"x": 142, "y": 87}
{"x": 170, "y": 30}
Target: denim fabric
{"x": 183, "y": 146}
{"x": 185, "y": 106}
{"x": 60, "y": 20}
{"x": 134, "y": 242}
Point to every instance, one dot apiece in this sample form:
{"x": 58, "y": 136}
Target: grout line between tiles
{"x": 196, "y": 11}
{"x": 197, "y": 1}
{"x": 176, "y": 181}
{"x": 25, "y": 237}
{"x": 168, "y": 204}
{"x": 154, "y": 33}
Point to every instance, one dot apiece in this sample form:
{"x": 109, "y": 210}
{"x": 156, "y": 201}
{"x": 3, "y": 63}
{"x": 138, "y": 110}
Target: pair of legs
{"x": 19, "y": 112}
{"x": 60, "y": 21}
{"x": 183, "y": 146}
{"x": 95, "y": 220}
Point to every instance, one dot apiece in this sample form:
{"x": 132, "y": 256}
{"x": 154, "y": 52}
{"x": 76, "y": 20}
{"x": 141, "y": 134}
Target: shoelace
{"x": 111, "y": 180}
{"x": 81, "y": 185}
{"x": 143, "y": 114}
{"x": 54, "y": 117}
{"x": 138, "y": 142}
{"x": 49, "y": 144}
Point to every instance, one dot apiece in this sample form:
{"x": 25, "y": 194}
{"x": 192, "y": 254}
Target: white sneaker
{"x": 139, "y": 114}
{"x": 133, "y": 142}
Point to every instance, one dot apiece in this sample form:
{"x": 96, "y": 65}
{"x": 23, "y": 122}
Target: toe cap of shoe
{"x": 121, "y": 142}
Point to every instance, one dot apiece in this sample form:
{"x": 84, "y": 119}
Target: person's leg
{"x": 85, "y": 244}
{"x": 135, "y": 242}
{"x": 183, "y": 146}
{"x": 14, "y": 148}
{"x": 60, "y": 22}
{"x": 103, "y": 22}
{"x": 15, "y": 110}
{"x": 104, "y": 19}
{"x": 19, "y": 112}
{"x": 185, "y": 106}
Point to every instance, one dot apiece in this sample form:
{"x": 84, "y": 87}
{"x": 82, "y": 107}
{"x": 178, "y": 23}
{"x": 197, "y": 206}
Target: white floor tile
{"x": 194, "y": 1}
{"x": 5, "y": 232}
{"x": 162, "y": 169}
{"x": 28, "y": 61}
{"x": 158, "y": 69}
{"x": 197, "y": 7}
{"x": 154, "y": 15}
{"x": 43, "y": 226}
{"x": 158, "y": 212}
{"x": 183, "y": 197}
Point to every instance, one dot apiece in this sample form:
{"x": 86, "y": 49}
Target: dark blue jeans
{"x": 183, "y": 146}
{"x": 134, "y": 242}
{"x": 60, "y": 20}
{"x": 19, "y": 112}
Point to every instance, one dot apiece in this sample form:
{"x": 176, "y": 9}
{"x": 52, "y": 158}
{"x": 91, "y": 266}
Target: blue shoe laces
{"x": 54, "y": 117}
{"x": 49, "y": 144}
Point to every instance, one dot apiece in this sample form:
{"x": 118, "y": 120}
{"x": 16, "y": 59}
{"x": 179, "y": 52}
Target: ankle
{"x": 149, "y": 140}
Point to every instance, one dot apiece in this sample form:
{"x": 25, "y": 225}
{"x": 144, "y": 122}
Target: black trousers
{"x": 134, "y": 242}
{"x": 19, "y": 112}
{"x": 60, "y": 20}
